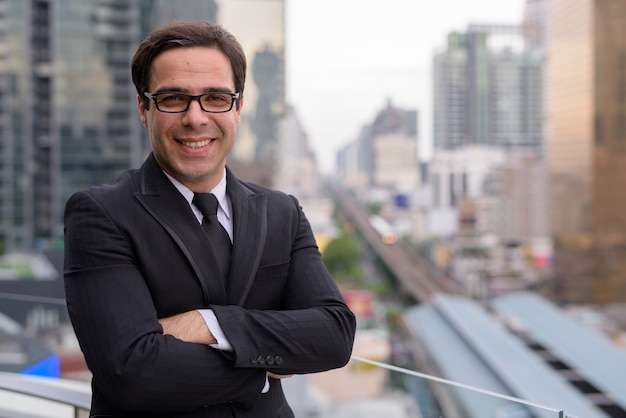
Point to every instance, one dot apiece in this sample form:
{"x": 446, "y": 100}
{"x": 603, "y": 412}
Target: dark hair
{"x": 187, "y": 34}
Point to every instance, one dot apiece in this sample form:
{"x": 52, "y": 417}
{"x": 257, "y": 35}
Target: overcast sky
{"x": 347, "y": 58}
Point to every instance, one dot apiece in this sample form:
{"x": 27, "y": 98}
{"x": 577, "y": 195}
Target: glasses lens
{"x": 172, "y": 102}
{"x": 217, "y": 102}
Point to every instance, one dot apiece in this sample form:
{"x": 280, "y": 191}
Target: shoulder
{"x": 123, "y": 188}
{"x": 273, "y": 196}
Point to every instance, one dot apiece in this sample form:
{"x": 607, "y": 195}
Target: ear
{"x": 141, "y": 107}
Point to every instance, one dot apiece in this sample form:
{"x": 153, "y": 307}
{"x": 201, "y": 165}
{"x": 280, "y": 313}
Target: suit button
{"x": 269, "y": 360}
{"x": 278, "y": 360}
{"x": 261, "y": 361}
{"x": 254, "y": 360}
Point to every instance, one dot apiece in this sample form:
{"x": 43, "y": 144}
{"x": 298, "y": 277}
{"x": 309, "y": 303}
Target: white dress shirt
{"x": 224, "y": 212}
{"x": 224, "y": 216}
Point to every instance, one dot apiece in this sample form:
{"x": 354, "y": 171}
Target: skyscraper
{"x": 488, "y": 90}
{"x": 586, "y": 131}
{"x": 385, "y": 153}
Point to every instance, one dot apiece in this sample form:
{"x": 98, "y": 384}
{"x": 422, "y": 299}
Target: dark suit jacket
{"x": 135, "y": 253}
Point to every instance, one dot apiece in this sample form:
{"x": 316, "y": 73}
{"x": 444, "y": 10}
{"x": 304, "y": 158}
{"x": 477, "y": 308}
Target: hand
{"x": 278, "y": 376}
{"x": 189, "y": 327}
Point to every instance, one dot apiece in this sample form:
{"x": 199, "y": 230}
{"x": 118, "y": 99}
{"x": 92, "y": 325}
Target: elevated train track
{"x": 417, "y": 278}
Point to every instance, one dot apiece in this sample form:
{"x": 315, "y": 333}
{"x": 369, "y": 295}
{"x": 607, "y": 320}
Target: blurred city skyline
{"x": 361, "y": 54}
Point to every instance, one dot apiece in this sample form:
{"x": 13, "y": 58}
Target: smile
{"x": 196, "y": 144}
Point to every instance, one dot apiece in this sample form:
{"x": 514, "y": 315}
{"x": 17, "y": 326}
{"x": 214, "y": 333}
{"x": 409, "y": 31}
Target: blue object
{"x": 49, "y": 367}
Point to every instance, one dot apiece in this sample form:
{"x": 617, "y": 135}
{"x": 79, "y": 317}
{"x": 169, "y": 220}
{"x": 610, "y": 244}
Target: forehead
{"x": 191, "y": 68}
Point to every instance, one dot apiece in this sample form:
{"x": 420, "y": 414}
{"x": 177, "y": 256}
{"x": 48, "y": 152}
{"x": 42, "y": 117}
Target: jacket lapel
{"x": 165, "y": 203}
{"x": 249, "y": 233}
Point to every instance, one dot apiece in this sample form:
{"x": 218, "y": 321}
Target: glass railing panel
{"x": 23, "y": 396}
{"x": 13, "y": 405}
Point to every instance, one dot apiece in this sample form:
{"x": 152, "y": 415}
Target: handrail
{"x": 45, "y": 388}
{"x": 32, "y": 298}
{"x": 452, "y": 383}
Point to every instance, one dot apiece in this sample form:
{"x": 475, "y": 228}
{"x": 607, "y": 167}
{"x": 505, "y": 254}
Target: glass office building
{"x": 29, "y": 148}
{"x": 487, "y": 90}
{"x": 586, "y": 133}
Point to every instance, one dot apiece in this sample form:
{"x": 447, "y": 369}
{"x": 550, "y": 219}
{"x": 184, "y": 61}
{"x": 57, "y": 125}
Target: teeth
{"x": 198, "y": 144}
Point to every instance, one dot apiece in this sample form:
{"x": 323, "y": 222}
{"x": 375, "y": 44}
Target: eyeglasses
{"x": 176, "y": 102}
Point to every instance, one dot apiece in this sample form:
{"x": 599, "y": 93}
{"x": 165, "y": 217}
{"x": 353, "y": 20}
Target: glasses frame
{"x": 192, "y": 97}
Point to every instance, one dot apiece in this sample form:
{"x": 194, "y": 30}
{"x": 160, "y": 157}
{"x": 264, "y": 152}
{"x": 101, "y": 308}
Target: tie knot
{"x": 206, "y": 202}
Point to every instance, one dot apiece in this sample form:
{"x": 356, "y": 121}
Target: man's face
{"x": 191, "y": 146}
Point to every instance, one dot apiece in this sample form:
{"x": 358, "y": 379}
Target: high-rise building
{"x": 29, "y": 147}
{"x": 297, "y": 165}
{"x": 534, "y": 25}
{"x": 385, "y": 153}
{"x": 488, "y": 90}
{"x": 68, "y": 110}
{"x": 260, "y": 27}
{"x": 586, "y": 133}
{"x": 65, "y": 113}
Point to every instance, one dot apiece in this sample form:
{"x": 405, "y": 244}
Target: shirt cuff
{"x": 214, "y": 326}
{"x": 266, "y": 388}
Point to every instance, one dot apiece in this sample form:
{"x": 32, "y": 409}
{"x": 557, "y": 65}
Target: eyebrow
{"x": 183, "y": 90}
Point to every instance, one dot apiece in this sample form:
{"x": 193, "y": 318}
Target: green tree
{"x": 341, "y": 257}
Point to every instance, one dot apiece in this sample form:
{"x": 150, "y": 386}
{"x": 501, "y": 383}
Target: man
{"x": 164, "y": 329}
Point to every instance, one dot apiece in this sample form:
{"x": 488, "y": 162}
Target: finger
{"x": 279, "y": 376}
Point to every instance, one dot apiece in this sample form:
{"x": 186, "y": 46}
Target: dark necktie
{"x": 217, "y": 235}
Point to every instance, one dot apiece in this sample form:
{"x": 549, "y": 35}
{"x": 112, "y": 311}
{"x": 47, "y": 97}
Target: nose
{"x": 194, "y": 115}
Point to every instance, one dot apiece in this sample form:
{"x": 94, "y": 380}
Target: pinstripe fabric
{"x": 136, "y": 253}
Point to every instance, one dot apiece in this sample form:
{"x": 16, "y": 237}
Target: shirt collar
{"x": 219, "y": 191}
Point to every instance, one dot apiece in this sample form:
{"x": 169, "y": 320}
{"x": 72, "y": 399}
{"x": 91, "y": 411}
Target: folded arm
{"x": 191, "y": 327}
{"x": 134, "y": 364}
{"x": 294, "y": 320}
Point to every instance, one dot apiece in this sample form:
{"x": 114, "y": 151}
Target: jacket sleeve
{"x": 133, "y": 364}
{"x": 313, "y": 329}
